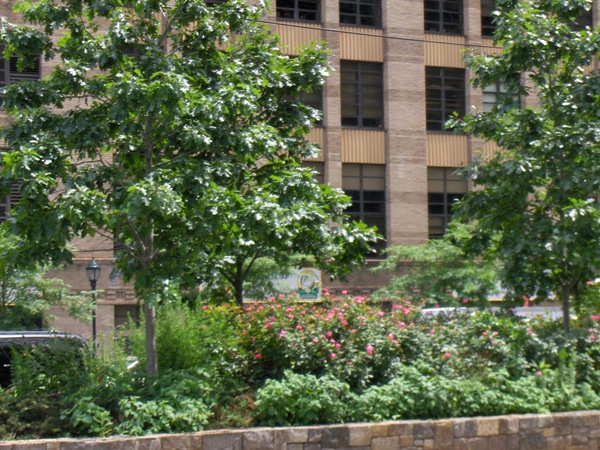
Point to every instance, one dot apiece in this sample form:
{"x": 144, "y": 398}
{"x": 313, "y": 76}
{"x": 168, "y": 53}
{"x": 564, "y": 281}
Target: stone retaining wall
{"x": 563, "y": 431}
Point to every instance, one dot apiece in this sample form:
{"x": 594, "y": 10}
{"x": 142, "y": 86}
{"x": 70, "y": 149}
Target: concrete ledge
{"x": 561, "y": 431}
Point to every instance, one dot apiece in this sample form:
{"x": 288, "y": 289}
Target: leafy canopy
{"x": 174, "y": 127}
{"x": 538, "y": 194}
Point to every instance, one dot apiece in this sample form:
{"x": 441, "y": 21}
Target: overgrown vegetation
{"x": 282, "y": 362}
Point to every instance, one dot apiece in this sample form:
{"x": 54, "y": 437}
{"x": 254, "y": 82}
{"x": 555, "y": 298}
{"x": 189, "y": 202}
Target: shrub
{"x": 301, "y": 400}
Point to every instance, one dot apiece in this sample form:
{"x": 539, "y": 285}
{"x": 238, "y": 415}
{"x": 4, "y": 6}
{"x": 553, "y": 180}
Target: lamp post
{"x": 93, "y": 274}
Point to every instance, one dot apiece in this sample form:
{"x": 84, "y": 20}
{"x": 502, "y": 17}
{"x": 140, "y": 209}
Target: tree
{"x": 26, "y": 294}
{"x": 439, "y": 272}
{"x": 157, "y": 112}
{"x": 274, "y": 210}
{"x": 538, "y": 195}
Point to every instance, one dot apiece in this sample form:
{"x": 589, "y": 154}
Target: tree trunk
{"x": 150, "y": 328}
{"x": 238, "y": 286}
{"x": 565, "y": 294}
{"x": 149, "y": 309}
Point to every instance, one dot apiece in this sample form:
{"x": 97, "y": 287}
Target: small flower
{"x": 391, "y": 336}
{"x": 432, "y": 331}
{"x": 369, "y": 349}
{"x": 332, "y": 356}
{"x": 589, "y": 283}
{"x": 465, "y": 301}
{"x": 380, "y": 313}
{"x": 257, "y": 355}
{"x": 299, "y": 327}
{"x": 447, "y": 355}
{"x": 344, "y": 292}
{"x": 329, "y": 334}
{"x": 539, "y": 373}
{"x": 592, "y": 337}
{"x": 282, "y": 333}
{"x": 315, "y": 340}
{"x": 338, "y": 345}
{"x": 595, "y": 317}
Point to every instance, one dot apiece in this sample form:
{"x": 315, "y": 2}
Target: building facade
{"x": 398, "y": 75}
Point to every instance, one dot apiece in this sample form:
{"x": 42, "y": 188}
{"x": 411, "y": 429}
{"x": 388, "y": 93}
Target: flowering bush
{"x": 283, "y": 362}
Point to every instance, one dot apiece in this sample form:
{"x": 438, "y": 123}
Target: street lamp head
{"x": 93, "y": 271}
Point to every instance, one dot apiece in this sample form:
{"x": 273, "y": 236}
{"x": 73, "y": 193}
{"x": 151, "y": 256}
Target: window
{"x": 362, "y": 94}
{"x": 444, "y": 16}
{"x": 123, "y": 313}
{"x": 492, "y": 94}
{"x": 445, "y": 94}
{"x": 365, "y": 184}
{"x": 313, "y": 99}
{"x": 9, "y": 201}
{"x": 366, "y": 13}
{"x": 301, "y": 10}
{"x": 9, "y": 73}
{"x": 488, "y": 25}
{"x": 444, "y": 187}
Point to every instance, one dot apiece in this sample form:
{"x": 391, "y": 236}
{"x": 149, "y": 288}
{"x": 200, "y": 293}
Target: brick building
{"x": 399, "y": 73}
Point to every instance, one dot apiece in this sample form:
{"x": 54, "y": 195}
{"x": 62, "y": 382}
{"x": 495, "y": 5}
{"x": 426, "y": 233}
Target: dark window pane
{"x": 360, "y": 12}
{"x": 362, "y": 94}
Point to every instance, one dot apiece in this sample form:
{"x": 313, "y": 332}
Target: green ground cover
{"x": 287, "y": 363}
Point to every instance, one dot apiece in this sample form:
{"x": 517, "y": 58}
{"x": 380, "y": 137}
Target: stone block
{"x": 528, "y": 423}
{"x": 465, "y": 428}
{"x": 497, "y": 442}
{"x": 405, "y": 441}
{"x": 385, "y": 443}
{"x": 400, "y": 429}
{"x": 312, "y": 446}
{"x": 150, "y": 443}
{"x": 545, "y": 421}
{"x": 555, "y": 443}
{"x": 314, "y": 435}
{"x": 259, "y": 440}
{"x": 359, "y": 435}
{"x": 428, "y": 444}
{"x": 579, "y": 436}
{"x": 487, "y": 426}
{"x": 335, "y": 437}
{"x": 509, "y": 425}
{"x": 290, "y": 435}
{"x": 478, "y": 443}
{"x": 423, "y": 430}
{"x": 72, "y": 444}
{"x": 443, "y": 433}
{"x": 562, "y": 424}
{"x": 460, "y": 444}
{"x": 179, "y": 442}
{"x": 531, "y": 440}
{"x": 382, "y": 429}
{"x": 228, "y": 441}
{"x": 513, "y": 442}
{"x": 294, "y": 447}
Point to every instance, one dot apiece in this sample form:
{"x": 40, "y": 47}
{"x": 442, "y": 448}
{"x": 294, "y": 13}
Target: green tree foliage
{"x": 173, "y": 127}
{"x": 439, "y": 272}
{"x": 26, "y": 294}
{"x": 538, "y": 195}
